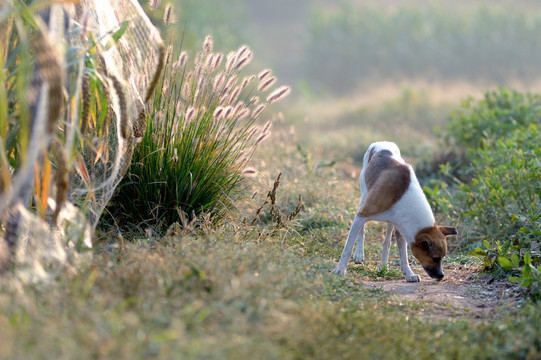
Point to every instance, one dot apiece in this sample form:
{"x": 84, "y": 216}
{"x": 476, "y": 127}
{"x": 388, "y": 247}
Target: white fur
{"x": 408, "y": 215}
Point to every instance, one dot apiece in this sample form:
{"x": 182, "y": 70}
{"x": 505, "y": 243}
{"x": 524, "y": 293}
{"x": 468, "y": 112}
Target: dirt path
{"x": 463, "y": 292}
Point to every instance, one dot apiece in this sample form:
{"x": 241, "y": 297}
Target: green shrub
{"x": 500, "y": 207}
{"x": 200, "y": 135}
{"x": 478, "y": 123}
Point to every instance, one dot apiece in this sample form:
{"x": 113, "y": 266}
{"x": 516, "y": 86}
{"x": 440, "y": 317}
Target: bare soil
{"x": 464, "y": 292}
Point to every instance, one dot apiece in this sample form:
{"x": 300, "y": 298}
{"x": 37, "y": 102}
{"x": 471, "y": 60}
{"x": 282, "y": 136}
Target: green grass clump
{"x": 201, "y": 133}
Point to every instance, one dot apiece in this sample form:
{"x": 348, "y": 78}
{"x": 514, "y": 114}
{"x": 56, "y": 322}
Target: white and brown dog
{"x": 390, "y": 192}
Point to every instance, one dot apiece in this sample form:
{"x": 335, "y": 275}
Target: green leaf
{"x": 477, "y": 252}
{"x": 528, "y": 258}
{"x": 325, "y": 163}
{"x": 505, "y": 263}
{"x": 526, "y": 270}
{"x": 486, "y": 244}
{"x": 514, "y": 279}
{"x": 527, "y": 282}
{"x": 515, "y": 260}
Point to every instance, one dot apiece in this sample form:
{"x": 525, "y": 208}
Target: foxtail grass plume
{"x": 246, "y": 81}
{"x": 278, "y": 94}
{"x": 169, "y": 54}
{"x": 258, "y": 110}
{"x": 208, "y": 44}
{"x": 219, "y": 81}
{"x": 266, "y": 83}
{"x": 249, "y": 171}
{"x": 153, "y": 4}
{"x": 218, "y": 113}
{"x": 244, "y": 60}
{"x": 182, "y": 59}
{"x": 254, "y": 100}
{"x": 230, "y": 61}
{"x": 190, "y": 114}
{"x": 263, "y": 74}
{"x": 217, "y": 60}
{"x": 168, "y": 15}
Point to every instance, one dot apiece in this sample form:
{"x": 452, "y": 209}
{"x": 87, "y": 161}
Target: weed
{"x": 275, "y": 214}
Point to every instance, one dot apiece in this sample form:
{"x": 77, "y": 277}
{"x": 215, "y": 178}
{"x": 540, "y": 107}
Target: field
{"x": 252, "y": 286}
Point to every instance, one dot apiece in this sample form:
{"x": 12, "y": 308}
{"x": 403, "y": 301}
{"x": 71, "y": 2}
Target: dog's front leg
{"x": 386, "y": 246}
{"x": 404, "y": 264}
{"x": 358, "y": 255}
{"x": 356, "y": 227}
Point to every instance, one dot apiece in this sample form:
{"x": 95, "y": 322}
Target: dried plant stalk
{"x": 61, "y": 177}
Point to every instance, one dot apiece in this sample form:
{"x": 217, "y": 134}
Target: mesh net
{"x": 95, "y": 65}
{"x": 129, "y": 70}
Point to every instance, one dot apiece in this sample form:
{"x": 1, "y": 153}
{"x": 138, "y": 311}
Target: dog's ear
{"x": 447, "y": 230}
{"x": 425, "y": 242}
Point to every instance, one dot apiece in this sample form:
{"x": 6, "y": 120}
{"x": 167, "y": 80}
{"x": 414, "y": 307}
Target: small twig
{"x": 274, "y": 212}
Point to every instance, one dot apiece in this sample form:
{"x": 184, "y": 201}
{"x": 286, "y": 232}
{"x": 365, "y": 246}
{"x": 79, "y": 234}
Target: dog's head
{"x": 430, "y": 247}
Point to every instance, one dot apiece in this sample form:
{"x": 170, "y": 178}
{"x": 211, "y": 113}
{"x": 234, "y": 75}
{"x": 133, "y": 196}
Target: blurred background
{"x": 364, "y": 70}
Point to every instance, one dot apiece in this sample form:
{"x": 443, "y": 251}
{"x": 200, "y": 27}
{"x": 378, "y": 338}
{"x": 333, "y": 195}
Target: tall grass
{"x": 201, "y": 133}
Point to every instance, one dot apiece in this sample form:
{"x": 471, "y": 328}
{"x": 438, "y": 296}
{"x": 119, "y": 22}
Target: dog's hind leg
{"x": 386, "y": 246}
{"x": 356, "y": 228}
{"x": 404, "y": 264}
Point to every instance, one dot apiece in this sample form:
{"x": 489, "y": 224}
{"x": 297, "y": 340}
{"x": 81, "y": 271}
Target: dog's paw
{"x": 339, "y": 271}
{"x": 358, "y": 258}
{"x": 413, "y": 278}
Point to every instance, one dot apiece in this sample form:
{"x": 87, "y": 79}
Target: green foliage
{"x": 499, "y": 114}
{"x": 500, "y": 206}
{"x": 358, "y": 43}
{"x": 199, "y": 137}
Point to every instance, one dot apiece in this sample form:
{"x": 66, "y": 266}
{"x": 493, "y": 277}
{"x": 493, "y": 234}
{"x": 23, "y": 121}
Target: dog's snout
{"x": 434, "y": 272}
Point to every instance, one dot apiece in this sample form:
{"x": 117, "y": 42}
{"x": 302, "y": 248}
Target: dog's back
{"x": 382, "y": 145}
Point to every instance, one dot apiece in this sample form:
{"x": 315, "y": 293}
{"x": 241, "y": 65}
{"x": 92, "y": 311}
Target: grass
{"x": 221, "y": 295}
{"x": 236, "y": 291}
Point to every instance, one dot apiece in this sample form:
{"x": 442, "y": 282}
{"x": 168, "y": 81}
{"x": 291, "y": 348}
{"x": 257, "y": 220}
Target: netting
{"x": 95, "y": 66}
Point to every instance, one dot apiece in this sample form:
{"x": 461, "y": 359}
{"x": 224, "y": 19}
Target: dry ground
{"x": 464, "y": 292}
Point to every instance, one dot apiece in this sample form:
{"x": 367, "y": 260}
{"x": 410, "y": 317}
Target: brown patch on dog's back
{"x": 386, "y": 181}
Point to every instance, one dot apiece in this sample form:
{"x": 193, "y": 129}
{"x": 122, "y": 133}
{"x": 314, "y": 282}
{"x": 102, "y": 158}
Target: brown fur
{"x": 386, "y": 181}
{"x": 430, "y": 247}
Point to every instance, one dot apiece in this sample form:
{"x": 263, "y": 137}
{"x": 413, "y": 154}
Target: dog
{"x": 390, "y": 192}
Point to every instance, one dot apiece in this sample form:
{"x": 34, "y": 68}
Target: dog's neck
{"x": 413, "y": 211}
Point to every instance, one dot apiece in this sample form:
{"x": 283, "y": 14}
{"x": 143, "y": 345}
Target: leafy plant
{"x": 500, "y": 113}
{"x": 499, "y": 207}
{"x": 200, "y": 134}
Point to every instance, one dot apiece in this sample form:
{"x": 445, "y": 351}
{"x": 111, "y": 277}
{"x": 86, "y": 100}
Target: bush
{"x": 500, "y": 206}
{"x": 199, "y": 138}
{"x": 478, "y": 123}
